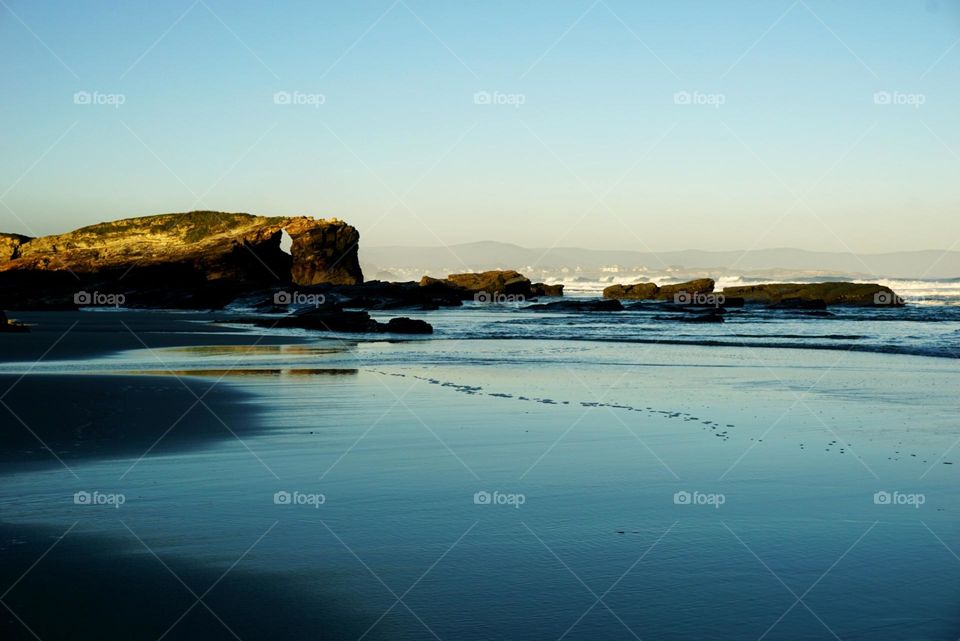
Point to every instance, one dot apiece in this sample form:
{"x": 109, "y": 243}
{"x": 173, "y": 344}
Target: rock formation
{"x": 493, "y": 283}
{"x": 333, "y": 318}
{"x": 691, "y": 288}
{"x": 542, "y": 289}
{"x": 781, "y": 295}
{"x": 324, "y": 253}
{"x": 404, "y": 325}
{"x": 10, "y": 245}
{"x": 639, "y": 291}
{"x": 379, "y": 295}
{"x": 816, "y": 295}
{"x": 197, "y": 259}
{"x": 650, "y": 291}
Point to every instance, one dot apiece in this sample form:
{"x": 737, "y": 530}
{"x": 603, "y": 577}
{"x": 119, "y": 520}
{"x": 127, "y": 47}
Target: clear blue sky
{"x": 599, "y": 153}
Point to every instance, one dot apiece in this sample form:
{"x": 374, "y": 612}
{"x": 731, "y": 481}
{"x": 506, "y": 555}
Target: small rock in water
{"x": 404, "y": 325}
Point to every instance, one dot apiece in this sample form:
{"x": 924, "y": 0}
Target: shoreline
{"x": 78, "y": 337}
{"x": 87, "y": 335}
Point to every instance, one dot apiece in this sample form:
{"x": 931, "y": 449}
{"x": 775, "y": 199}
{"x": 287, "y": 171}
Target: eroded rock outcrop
{"x": 651, "y": 291}
{"x": 324, "y": 253}
{"x": 440, "y": 286}
{"x": 816, "y": 295}
{"x": 379, "y": 295}
{"x": 404, "y": 325}
{"x": 543, "y": 289}
{"x": 507, "y": 282}
{"x": 492, "y": 283}
{"x": 333, "y": 318}
{"x": 808, "y": 296}
{"x": 196, "y": 259}
{"x": 10, "y": 245}
{"x": 639, "y": 291}
{"x": 690, "y": 288}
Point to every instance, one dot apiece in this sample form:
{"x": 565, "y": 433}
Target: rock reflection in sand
{"x": 249, "y": 372}
{"x": 248, "y": 361}
{"x": 260, "y": 350}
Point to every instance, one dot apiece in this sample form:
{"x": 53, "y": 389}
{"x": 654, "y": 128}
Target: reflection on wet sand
{"x": 269, "y": 350}
{"x": 248, "y": 372}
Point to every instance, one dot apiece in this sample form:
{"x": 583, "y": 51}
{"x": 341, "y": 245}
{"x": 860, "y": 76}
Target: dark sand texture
{"x": 94, "y": 588}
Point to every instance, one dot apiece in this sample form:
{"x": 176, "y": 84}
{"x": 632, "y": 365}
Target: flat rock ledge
{"x": 492, "y": 285}
{"x": 333, "y": 318}
{"x": 780, "y": 295}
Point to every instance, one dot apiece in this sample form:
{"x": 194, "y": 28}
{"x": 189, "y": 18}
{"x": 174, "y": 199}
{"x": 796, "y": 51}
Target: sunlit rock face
{"x": 196, "y": 259}
{"x": 324, "y": 251}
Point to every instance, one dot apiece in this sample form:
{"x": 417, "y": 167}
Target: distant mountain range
{"x": 597, "y": 264}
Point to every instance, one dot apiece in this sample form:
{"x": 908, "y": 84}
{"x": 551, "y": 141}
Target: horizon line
{"x": 950, "y": 250}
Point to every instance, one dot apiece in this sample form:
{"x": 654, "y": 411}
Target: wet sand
{"x": 598, "y": 439}
{"x": 95, "y": 587}
{"x": 57, "y": 420}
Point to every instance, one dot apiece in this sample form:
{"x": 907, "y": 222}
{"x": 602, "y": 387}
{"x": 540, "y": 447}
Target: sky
{"x": 680, "y": 124}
